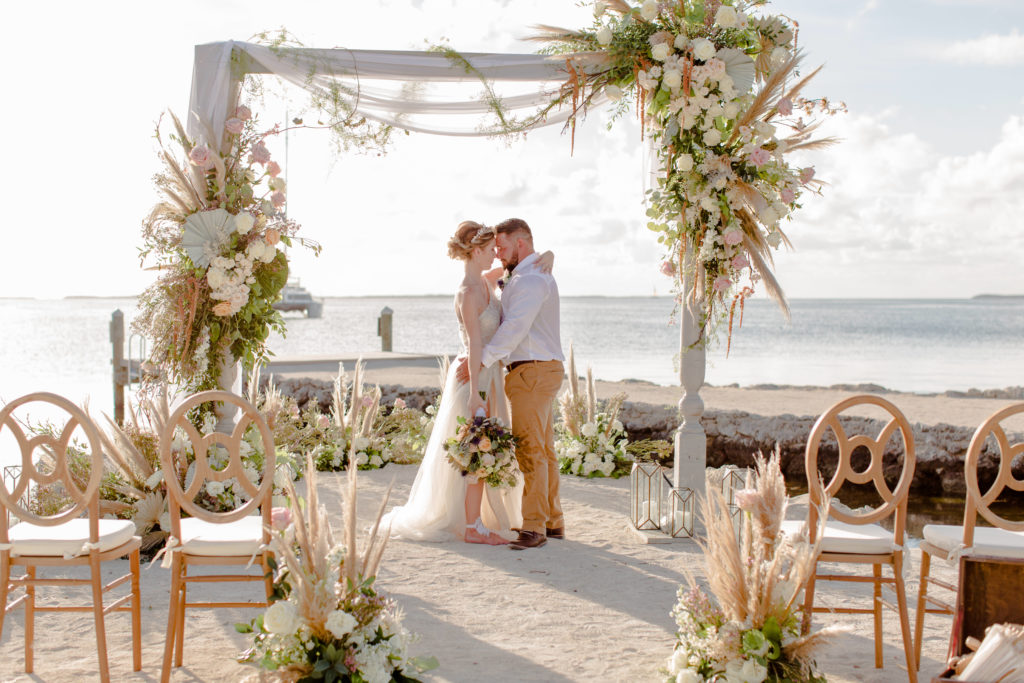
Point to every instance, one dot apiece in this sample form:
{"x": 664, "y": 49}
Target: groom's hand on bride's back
{"x": 462, "y": 370}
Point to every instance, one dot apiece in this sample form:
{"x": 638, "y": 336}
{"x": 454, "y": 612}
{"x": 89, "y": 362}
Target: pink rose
{"x": 747, "y": 499}
{"x": 260, "y": 153}
{"x": 280, "y": 518}
{"x": 243, "y": 112}
{"x": 234, "y": 126}
{"x": 277, "y": 199}
{"x": 722, "y": 283}
{"x": 367, "y": 400}
{"x": 272, "y": 236}
{"x": 785, "y": 106}
{"x": 739, "y": 262}
{"x": 273, "y": 169}
{"x": 222, "y": 309}
{"x": 399, "y": 404}
{"x": 668, "y": 268}
{"x": 806, "y": 175}
{"x": 733, "y": 236}
{"x": 201, "y": 156}
{"x": 787, "y": 195}
{"x": 323, "y": 422}
{"x": 759, "y": 157}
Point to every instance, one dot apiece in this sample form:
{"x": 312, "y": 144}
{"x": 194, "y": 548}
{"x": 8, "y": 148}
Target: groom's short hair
{"x": 513, "y": 225}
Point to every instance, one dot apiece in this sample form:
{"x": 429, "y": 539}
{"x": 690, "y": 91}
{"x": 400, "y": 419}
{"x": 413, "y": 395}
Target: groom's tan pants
{"x": 531, "y": 389}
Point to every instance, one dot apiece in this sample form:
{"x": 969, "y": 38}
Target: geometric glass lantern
{"x": 733, "y": 480}
{"x": 677, "y": 521}
{"x": 645, "y": 495}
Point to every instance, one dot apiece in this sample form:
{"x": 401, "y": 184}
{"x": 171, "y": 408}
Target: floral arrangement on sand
{"x": 590, "y": 443}
{"x": 749, "y": 630}
{"x": 484, "y": 448}
{"x": 717, "y": 88}
{"x": 217, "y": 235}
{"x": 330, "y": 622}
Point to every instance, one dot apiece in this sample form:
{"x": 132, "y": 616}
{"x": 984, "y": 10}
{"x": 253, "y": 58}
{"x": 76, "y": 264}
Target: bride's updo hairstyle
{"x": 468, "y": 236}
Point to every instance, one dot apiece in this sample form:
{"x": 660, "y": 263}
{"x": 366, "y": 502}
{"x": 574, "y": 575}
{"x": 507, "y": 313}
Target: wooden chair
{"x": 237, "y": 537}
{"x": 1004, "y": 539}
{"x": 66, "y": 538}
{"x": 855, "y": 537}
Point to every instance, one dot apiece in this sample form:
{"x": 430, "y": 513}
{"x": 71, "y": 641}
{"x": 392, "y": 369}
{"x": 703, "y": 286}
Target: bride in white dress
{"x": 444, "y": 504}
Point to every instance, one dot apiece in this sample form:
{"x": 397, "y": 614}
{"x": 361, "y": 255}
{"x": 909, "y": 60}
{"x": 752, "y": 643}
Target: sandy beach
{"x": 593, "y": 607}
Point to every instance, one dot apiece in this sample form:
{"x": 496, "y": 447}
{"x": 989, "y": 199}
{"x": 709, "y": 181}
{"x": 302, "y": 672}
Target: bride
{"x": 444, "y": 504}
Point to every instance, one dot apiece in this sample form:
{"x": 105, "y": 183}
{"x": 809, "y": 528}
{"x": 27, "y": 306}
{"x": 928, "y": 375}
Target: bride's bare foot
{"x": 478, "y": 533}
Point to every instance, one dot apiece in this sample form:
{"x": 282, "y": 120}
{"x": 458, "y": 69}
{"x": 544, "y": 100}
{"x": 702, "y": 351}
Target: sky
{"x": 925, "y": 193}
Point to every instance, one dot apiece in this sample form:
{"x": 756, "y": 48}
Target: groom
{"x": 529, "y": 342}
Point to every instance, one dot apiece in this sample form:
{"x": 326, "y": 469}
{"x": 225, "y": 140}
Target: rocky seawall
{"x": 734, "y": 437}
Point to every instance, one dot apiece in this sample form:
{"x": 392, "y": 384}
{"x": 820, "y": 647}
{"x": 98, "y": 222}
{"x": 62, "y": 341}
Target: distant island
{"x": 998, "y": 296}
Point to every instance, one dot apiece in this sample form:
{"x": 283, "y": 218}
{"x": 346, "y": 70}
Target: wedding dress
{"x": 436, "y": 507}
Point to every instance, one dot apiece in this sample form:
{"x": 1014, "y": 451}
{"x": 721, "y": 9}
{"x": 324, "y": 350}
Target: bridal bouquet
{"x": 716, "y": 86}
{"x": 217, "y": 236}
{"x": 750, "y": 631}
{"x": 483, "y": 447}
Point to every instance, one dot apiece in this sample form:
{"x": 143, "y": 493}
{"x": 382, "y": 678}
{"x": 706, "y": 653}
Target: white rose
{"x": 726, "y": 17}
{"x": 616, "y": 425}
{"x": 684, "y": 164}
{"x": 361, "y": 459}
{"x": 774, "y": 239}
{"x": 589, "y": 429}
{"x": 768, "y": 216}
{"x": 613, "y": 92}
{"x": 689, "y": 676}
{"x": 712, "y": 137}
{"x": 376, "y": 461}
{"x": 661, "y": 51}
{"x": 282, "y": 618}
{"x": 214, "y": 488}
{"x": 604, "y": 35}
{"x": 649, "y": 10}
{"x": 753, "y": 671}
{"x": 244, "y": 222}
{"x": 677, "y": 662}
{"x": 487, "y": 460}
{"x": 716, "y": 110}
{"x": 278, "y": 184}
{"x": 681, "y": 42}
{"x": 673, "y": 79}
{"x": 731, "y": 110}
{"x": 361, "y": 443}
{"x": 340, "y": 623}
{"x": 607, "y": 468}
{"x": 703, "y": 49}
{"x": 599, "y": 8}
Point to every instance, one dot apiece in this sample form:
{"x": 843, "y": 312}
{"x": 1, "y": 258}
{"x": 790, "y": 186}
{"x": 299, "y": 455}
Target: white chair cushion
{"x": 987, "y": 540}
{"x": 855, "y": 539}
{"x": 238, "y": 538}
{"x": 67, "y": 538}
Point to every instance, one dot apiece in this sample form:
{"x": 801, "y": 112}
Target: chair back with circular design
{"x": 979, "y": 503}
{"x": 894, "y": 501}
{"x": 84, "y": 496}
{"x": 183, "y": 498}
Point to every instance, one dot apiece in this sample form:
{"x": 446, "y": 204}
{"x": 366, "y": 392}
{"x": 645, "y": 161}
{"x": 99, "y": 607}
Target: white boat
{"x": 295, "y": 297}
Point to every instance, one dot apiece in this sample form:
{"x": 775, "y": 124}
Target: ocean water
{"x": 908, "y": 345}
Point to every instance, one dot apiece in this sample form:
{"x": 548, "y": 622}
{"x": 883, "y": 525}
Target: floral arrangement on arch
{"x": 750, "y": 630}
{"x": 590, "y": 443}
{"x": 716, "y": 86}
{"x": 217, "y": 236}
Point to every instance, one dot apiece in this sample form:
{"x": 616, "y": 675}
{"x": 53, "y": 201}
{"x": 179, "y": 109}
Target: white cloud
{"x": 991, "y": 50}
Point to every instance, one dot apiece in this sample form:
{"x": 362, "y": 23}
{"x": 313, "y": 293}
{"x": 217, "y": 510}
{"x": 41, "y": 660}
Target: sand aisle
{"x": 594, "y": 607}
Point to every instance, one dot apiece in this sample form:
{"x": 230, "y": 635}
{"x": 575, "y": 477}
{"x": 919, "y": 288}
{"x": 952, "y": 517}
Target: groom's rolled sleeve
{"x": 522, "y": 301}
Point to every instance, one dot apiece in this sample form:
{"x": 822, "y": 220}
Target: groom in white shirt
{"x": 528, "y": 341}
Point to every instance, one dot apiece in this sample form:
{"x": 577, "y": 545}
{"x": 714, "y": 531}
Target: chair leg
{"x": 179, "y": 628}
{"x": 901, "y": 602}
{"x": 5, "y": 585}
{"x": 922, "y": 606}
{"x": 96, "y": 578}
{"x": 136, "y": 612}
{"x": 172, "y": 619}
{"x": 805, "y": 622}
{"x": 30, "y": 618}
{"x": 878, "y": 614}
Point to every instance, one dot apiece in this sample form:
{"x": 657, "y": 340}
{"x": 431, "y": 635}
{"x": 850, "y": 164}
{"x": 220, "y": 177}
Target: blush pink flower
{"x": 272, "y": 236}
{"x": 277, "y": 199}
{"x": 260, "y": 153}
{"x": 722, "y": 283}
{"x": 280, "y": 518}
{"x": 222, "y": 309}
{"x": 807, "y": 175}
{"x": 739, "y": 262}
{"x": 323, "y": 422}
{"x": 201, "y": 156}
{"x": 759, "y": 157}
{"x": 367, "y": 401}
{"x": 732, "y": 236}
{"x": 399, "y": 404}
{"x": 787, "y": 195}
{"x": 273, "y": 169}
{"x": 243, "y": 112}
{"x": 785, "y": 106}
{"x": 668, "y": 268}
{"x": 234, "y": 126}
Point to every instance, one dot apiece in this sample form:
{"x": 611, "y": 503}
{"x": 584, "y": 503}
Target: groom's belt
{"x": 516, "y": 363}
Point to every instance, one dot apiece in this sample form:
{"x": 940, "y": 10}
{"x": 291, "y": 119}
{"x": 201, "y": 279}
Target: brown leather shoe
{"x": 528, "y": 539}
{"x": 558, "y": 532}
